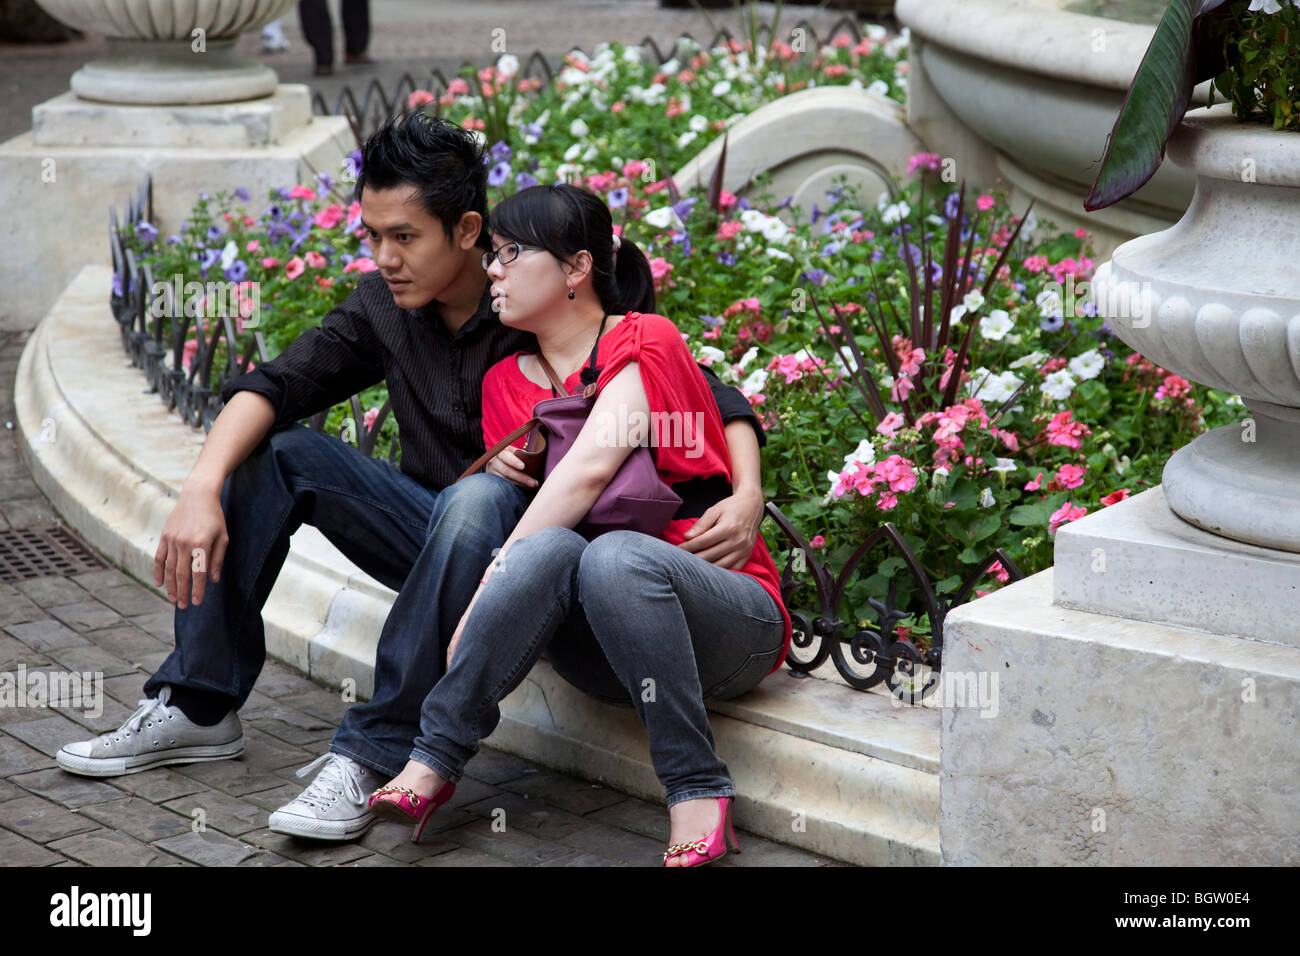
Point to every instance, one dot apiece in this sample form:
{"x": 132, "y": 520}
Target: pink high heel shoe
{"x": 714, "y": 846}
{"x": 406, "y": 806}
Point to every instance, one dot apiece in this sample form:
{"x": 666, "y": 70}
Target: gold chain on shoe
{"x": 415, "y": 797}
{"x": 699, "y": 846}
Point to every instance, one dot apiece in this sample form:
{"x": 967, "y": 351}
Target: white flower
{"x": 1268, "y": 6}
{"x": 747, "y": 357}
{"x": 845, "y": 361}
{"x": 722, "y": 88}
{"x": 775, "y": 253}
{"x": 993, "y": 389}
{"x": 879, "y": 87}
{"x": 1032, "y": 360}
{"x": 896, "y": 212}
{"x": 229, "y": 254}
{"x": 567, "y": 172}
{"x": 632, "y": 54}
{"x": 686, "y": 138}
{"x": 670, "y": 67}
{"x": 986, "y": 498}
{"x": 752, "y": 220}
{"x": 508, "y": 64}
{"x": 774, "y": 230}
{"x": 754, "y": 384}
{"x": 938, "y": 477}
{"x": 572, "y": 76}
{"x": 573, "y": 152}
{"x": 712, "y": 354}
{"x": 1005, "y": 464}
{"x": 995, "y": 325}
{"x": 589, "y": 155}
{"x": 664, "y": 218}
{"x": 1087, "y": 365}
{"x": 973, "y": 300}
{"x": 957, "y": 312}
{"x": 578, "y": 128}
{"x": 865, "y": 453}
{"x": 541, "y": 120}
{"x": 876, "y": 32}
{"x": 699, "y": 123}
{"x": 1058, "y": 385}
{"x": 1049, "y": 303}
{"x": 654, "y": 94}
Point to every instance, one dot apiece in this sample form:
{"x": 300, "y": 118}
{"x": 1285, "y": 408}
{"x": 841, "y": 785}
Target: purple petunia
{"x": 236, "y": 271}
{"x": 241, "y": 194}
{"x": 727, "y": 258}
{"x": 501, "y": 151}
{"x": 950, "y": 206}
{"x": 498, "y": 174}
{"x": 173, "y": 239}
{"x": 352, "y": 164}
{"x": 214, "y": 233}
{"x": 712, "y": 321}
{"x": 618, "y": 198}
{"x": 683, "y": 208}
{"x": 146, "y": 231}
{"x": 815, "y": 276}
{"x": 525, "y": 181}
{"x": 326, "y": 182}
{"x": 208, "y": 258}
{"x": 816, "y": 214}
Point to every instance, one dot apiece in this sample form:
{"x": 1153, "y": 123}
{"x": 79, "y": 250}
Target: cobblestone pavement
{"x": 106, "y": 623}
{"x": 410, "y": 36}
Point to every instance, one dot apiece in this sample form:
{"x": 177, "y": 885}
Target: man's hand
{"x": 508, "y": 466}
{"x": 725, "y": 534}
{"x": 192, "y": 547}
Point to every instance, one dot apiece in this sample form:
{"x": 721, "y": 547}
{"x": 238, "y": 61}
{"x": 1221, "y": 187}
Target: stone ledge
{"x": 819, "y": 766}
{"x": 1117, "y": 742}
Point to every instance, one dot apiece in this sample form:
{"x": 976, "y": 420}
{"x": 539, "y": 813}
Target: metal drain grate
{"x": 40, "y": 552}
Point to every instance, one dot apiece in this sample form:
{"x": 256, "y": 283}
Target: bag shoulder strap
{"x": 499, "y": 447}
{"x": 556, "y": 384}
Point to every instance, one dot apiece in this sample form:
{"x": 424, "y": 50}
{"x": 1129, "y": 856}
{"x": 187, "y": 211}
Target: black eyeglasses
{"x": 505, "y": 253}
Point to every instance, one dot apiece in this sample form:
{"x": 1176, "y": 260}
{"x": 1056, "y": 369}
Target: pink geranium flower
{"x": 369, "y": 418}
{"x": 983, "y": 203}
{"x": 302, "y": 192}
{"x": 329, "y": 217}
{"x": 294, "y": 267}
{"x": 890, "y": 424}
{"x": 1070, "y": 476}
{"x": 1066, "y": 513}
{"x": 418, "y": 98}
{"x": 316, "y": 261}
{"x": 1115, "y": 497}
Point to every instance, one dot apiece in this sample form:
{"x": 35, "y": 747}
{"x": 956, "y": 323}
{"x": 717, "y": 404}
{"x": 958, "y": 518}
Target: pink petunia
{"x": 252, "y": 246}
{"x": 316, "y": 261}
{"x": 270, "y": 262}
{"x": 983, "y": 203}
{"x": 361, "y": 264}
{"x": 302, "y": 192}
{"x": 294, "y": 267}
{"x": 329, "y": 217}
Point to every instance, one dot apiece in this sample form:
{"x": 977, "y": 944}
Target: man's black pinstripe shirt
{"x": 434, "y": 377}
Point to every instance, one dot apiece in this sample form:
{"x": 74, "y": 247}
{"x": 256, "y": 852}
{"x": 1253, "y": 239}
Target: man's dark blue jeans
{"x": 390, "y": 526}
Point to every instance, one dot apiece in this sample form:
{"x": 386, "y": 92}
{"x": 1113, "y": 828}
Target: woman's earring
{"x": 571, "y": 293}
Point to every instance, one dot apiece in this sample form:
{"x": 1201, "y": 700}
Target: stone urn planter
{"x": 167, "y": 52}
{"x": 1216, "y": 298}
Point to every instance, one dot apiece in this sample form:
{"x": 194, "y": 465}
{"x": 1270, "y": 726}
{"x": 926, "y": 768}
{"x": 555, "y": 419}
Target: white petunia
{"x": 573, "y": 152}
{"x": 973, "y": 300}
{"x": 876, "y": 32}
{"x": 747, "y": 357}
{"x": 1032, "y": 360}
{"x": 567, "y": 172}
{"x": 508, "y": 64}
{"x": 865, "y": 453}
{"x": 722, "y": 88}
{"x": 993, "y": 389}
{"x": 665, "y": 217}
{"x": 1005, "y": 464}
{"x": 699, "y": 123}
{"x": 995, "y": 325}
{"x": 879, "y": 87}
{"x": 755, "y": 382}
{"x": 712, "y": 354}
{"x": 686, "y": 138}
{"x": 774, "y": 230}
{"x": 670, "y": 67}
{"x": 752, "y": 220}
{"x": 578, "y": 128}
{"x": 229, "y": 254}
{"x": 1058, "y": 385}
{"x": 1088, "y": 364}
{"x": 632, "y": 54}
{"x": 896, "y": 212}
{"x": 986, "y": 498}
{"x": 775, "y": 253}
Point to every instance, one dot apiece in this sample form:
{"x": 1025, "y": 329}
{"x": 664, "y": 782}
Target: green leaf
{"x": 963, "y": 493}
{"x": 1153, "y": 107}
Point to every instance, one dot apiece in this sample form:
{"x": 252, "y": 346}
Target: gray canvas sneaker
{"x": 154, "y": 736}
{"x": 334, "y": 807}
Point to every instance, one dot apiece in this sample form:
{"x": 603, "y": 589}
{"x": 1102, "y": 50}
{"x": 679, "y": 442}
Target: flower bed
{"x": 1021, "y": 413}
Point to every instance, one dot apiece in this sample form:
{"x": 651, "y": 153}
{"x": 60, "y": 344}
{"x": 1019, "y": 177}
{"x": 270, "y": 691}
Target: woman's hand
{"x": 725, "y": 534}
{"x": 508, "y": 466}
{"x": 460, "y": 627}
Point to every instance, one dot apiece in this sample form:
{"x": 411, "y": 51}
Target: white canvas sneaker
{"x": 154, "y": 736}
{"x": 334, "y": 806}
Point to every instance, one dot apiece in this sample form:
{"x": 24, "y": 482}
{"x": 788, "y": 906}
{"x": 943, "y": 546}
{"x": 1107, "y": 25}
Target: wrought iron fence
{"x": 375, "y": 104}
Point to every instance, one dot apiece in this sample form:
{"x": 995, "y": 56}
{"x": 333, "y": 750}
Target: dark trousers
{"x": 319, "y": 31}
{"x": 429, "y": 546}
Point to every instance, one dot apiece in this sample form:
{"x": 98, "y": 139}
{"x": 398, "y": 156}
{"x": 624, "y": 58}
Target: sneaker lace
{"x": 335, "y": 778}
{"x": 153, "y": 706}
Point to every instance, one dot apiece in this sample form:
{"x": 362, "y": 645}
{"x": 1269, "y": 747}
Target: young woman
{"x": 627, "y": 617}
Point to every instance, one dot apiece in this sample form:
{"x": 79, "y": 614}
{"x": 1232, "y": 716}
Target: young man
{"x": 423, "y": 323}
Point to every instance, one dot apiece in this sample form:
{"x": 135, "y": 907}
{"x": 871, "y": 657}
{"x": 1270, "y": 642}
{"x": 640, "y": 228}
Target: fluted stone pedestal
{"x": 1149, "y": 701}
{"x": 58, "y": 181}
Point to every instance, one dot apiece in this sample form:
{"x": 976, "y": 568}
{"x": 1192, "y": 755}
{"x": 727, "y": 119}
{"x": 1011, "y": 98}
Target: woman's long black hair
{"x": 565, "y": 219}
